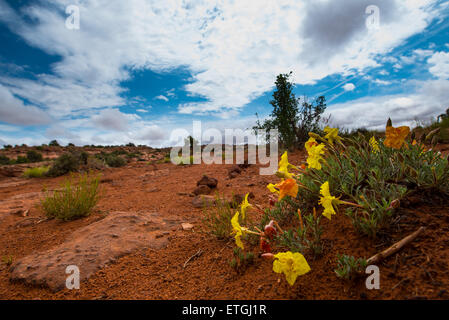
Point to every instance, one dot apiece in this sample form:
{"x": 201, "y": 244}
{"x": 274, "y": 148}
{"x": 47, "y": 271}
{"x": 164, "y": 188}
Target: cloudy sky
{"x": 135, "y": 70}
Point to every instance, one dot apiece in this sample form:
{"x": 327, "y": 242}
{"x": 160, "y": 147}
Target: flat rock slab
{"x": 92, "y": 247}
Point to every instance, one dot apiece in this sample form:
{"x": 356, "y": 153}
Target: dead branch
{"x": 395, "y": 247}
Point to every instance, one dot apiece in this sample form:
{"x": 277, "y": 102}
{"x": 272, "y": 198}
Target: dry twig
{"x": 395, "y": 247}
{"x": 198, "y": 253}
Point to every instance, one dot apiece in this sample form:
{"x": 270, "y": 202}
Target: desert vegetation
{"x": 340, "y": 201}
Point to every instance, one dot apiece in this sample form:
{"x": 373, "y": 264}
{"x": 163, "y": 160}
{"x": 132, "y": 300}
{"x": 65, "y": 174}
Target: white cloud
{"x": 428, "y": 101}
{"x": 14, "y": 111}
{"x": 440, "y": 65}
{"x": 161, "y": 97}
{"x": 113, "y": 119}
{"x": 349, "y": 87}
{"x": 382, "y": 82}
{"x": 234, "y": 50}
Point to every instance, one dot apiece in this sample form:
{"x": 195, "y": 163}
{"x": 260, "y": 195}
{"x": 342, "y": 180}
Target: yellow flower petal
{"x": 332, "y": 135}
{"x": 244, "y": 206}
{"x": 327, "y": 201}
{"x": 237, "y": 230}
{"x": 272, "y": 188}
{"x": 315, "y": 156}
{"x": 291, "y": 265}
{"x": 283, "y": 165}
{"x": 395, "y": 137}
{"x": 374, "y": 145}
{"x": 288, "y": 187}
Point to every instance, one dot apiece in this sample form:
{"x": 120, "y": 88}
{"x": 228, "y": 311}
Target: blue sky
{"x": 136, "y": 70}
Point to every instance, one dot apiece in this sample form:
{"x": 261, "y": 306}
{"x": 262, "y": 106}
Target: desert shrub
{"x": 54, "y": 143}
{"x": 4, "y": 160}
{"x": 39, "y": 148}
{"x": 68, "y": 162}
{"x": 112, "y": 159}
{"x": 34, "y": 156}
{"x": 21, "y": 159}
{"x": 76, "y": 198}
{"x": 93, "y": 163}
{"x": 217, "y": 219}
{"x": 115, "y": 161}
{"x": 7, "y": 146}
{"x": 37, "y": 172}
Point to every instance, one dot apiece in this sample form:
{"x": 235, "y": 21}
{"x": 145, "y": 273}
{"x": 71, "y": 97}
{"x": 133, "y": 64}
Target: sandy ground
{"x": 419, "y": 271}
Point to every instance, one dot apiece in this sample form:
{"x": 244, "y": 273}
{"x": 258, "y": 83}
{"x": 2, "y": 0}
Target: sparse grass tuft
{"x": 37, "y": 172}
{"x": 241, "y": 260}
{"x": 217, "y": 219}
{"x": 73, "y": 201}
{"x": 349, "y": 267}
{"x": 8, "y": 260}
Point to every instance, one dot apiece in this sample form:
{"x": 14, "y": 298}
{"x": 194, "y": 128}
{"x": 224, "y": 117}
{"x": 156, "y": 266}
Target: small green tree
{"x": 309, "y": 118}
{"x": 54, "y": 143}
{"x": 292, "y": 122}
{"x": 285, "y": 112}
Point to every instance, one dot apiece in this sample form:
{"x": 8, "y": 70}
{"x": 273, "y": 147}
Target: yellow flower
{"x": 245, "y": 205}
{"x": 310, "y": 143}
{"x": 327, "y": 201}
{"x": 395, "y": 137}
{"x": 237, "y": 230}
{"x": 374, "y": 145}
{"x": 288, "y": 187}
{"x": 331, "y": 135}
{"x": 272, "y": 188}
{"x": 290, "y": 264}
{"x": 314, "y": 160}
{"x": 283, "y": 165}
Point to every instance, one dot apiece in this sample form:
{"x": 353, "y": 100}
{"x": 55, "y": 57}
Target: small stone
{"x": 187, "y": 226}
{"x": 233, "y": 174}
{"x": 207, "y": 181}
{"x": 202, "y": 189}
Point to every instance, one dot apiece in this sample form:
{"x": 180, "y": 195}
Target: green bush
{"x": 112, "y": 159}
{"x": 54, "y": 143}
{"x": 34, "y": 156}
{"x": 68, "y": 162}
{"x": 37, "y": 172}
{"x": 21, "y": 159}
{"x": 73, "y": 201}
{"x": 4, "y": 160}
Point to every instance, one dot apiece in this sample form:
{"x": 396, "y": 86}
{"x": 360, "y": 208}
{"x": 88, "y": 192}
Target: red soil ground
{"x": 419, "y": 271}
